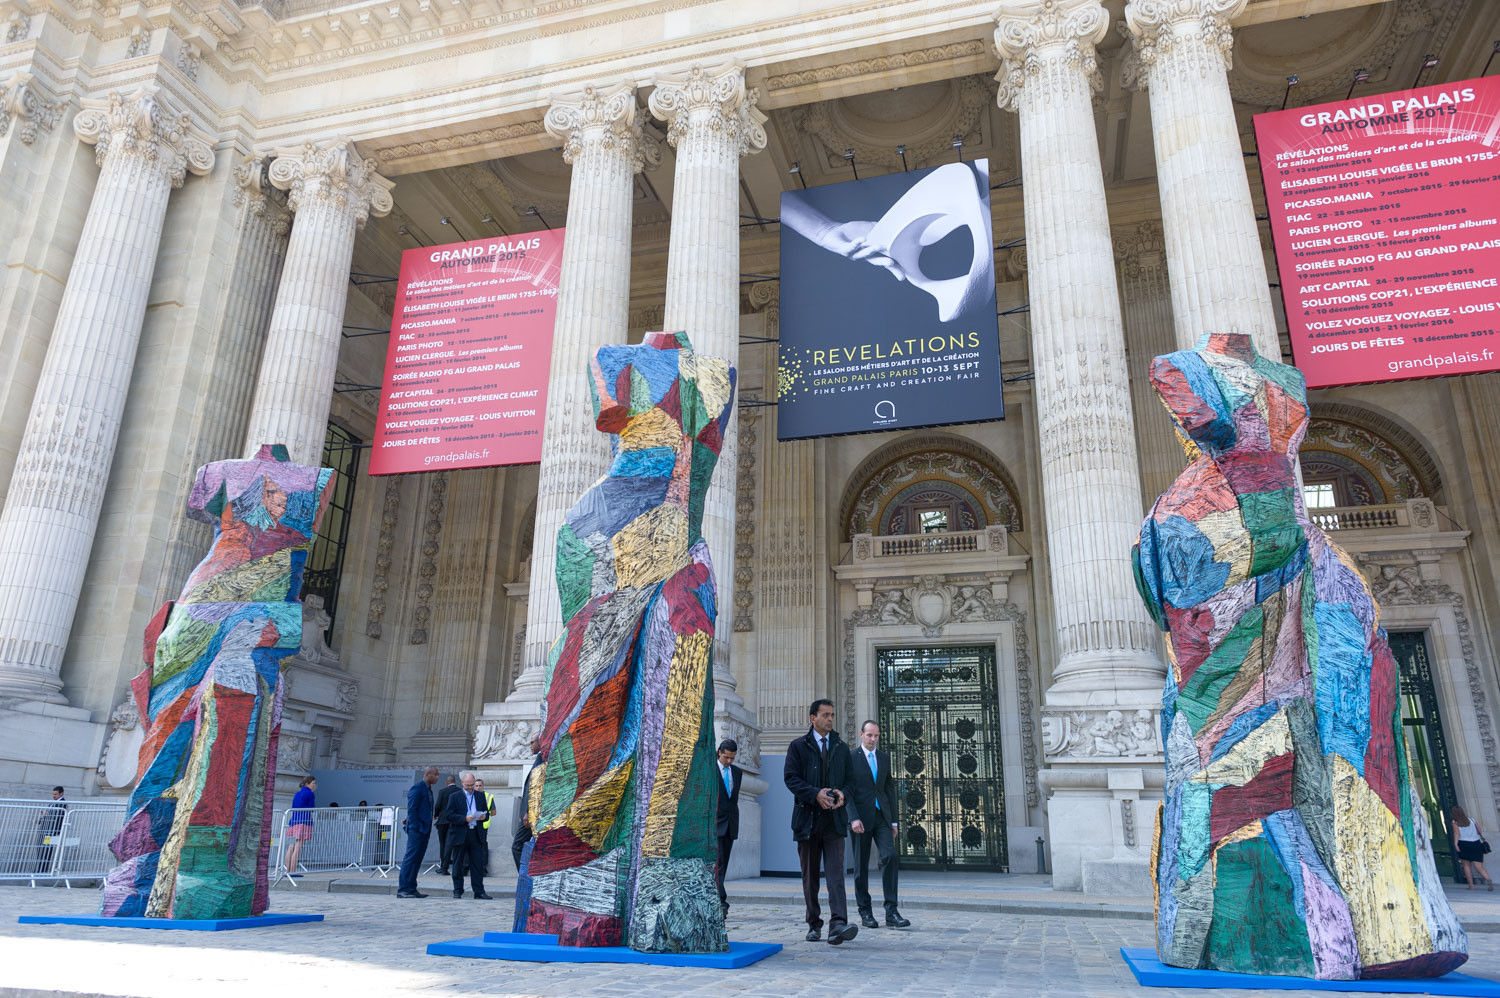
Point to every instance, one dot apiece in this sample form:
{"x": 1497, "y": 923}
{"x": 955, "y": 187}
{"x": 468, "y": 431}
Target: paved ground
{"x": 372, "y": 946}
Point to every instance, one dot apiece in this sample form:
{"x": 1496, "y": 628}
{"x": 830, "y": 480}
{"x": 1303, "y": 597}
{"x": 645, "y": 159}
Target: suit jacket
{"x": 456, "y": 811}
{"x": 438, "y": 816}
{"x": 522, "y": 833}
{"x": 729, "y": 803}
{"x": 869, "y": 791}
{"x": 804, "y": 776}
{"x": 419, "y": 809}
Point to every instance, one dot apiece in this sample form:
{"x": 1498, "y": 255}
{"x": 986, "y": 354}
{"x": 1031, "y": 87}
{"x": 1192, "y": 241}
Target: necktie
{"x": 874, "y": 774}
{"x": 728, "y": 781}
{"x": 823, "y": 749}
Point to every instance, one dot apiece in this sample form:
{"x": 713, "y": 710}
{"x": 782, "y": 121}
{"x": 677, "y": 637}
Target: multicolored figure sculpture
{"x": 1290, "y": 841}
{"x": 623, "y": 806}
{"x": 198, "y": 837}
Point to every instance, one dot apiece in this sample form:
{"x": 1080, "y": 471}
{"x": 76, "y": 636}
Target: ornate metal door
{"x": 939, "y": 719}
{"x": 1426, "y": 748}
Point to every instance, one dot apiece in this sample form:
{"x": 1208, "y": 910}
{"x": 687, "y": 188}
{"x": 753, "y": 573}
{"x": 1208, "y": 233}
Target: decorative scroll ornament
{"x": 714, "y": 100}
{"x": 1031, "y": 33}
{"x": 264, "y": 200}
{"x": 20, "y": 100}
{"x": 332, "y": 173}
{"x": 505, "y": 740}
{"x": 148, "y": 127}
{"x": 604, "y": 119}
{"x": 1158, "y": 25}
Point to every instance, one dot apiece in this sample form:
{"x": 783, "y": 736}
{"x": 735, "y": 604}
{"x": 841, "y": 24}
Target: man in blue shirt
{"x": 418, "y": 831}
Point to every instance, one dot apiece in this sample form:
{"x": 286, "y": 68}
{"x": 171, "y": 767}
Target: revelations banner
{"x": 888, "y": 304}
{"x": 1385, "y": 213}
{"x": 469, "y": 356}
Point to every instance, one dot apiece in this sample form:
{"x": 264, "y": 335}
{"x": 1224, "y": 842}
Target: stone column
{"x": 1106, "y": 665}
{"x": 1146, "y": 307}
{"x": 1214, "y": 257}
{"x": 712, "y": 122}
{"x": 145, "y": 148}
{"x": 332, "y": 190}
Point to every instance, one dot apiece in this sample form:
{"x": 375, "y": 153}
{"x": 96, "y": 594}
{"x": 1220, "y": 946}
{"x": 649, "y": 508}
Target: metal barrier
{"x": 58, "y": 840}
{"x": 333, "y": 839}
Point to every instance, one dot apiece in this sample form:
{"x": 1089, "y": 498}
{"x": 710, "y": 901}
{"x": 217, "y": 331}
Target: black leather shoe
{"x": 842, "y": 934}
{"x": 444, "y": 873}
{"x": 410, "y": 894}
{"x": 458, "y": 894}
{"x": 483, "y": 897}
{"x": 814, "y": 934}
{"x": 868, "y": 920}
{"x": 895, "y": 921}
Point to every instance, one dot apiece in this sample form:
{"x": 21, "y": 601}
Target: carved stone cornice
{"x": 146, "y": 127}
{"x": 264, "y": 200}
{"x": 1156, "y": 26}
{"x": 22, "y": 100}
{"x": 1140, "y": 249}
{"x": 603, "y": 120}
{"x": 332, "y": 173}
{"x": 713, "y": 102}
{"x": 1033, "y": 35}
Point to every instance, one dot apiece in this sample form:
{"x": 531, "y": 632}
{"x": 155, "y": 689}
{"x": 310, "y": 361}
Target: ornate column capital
{"x": 1156, "y": 25}
{"x": 146, "y": 126}
{"x": 1029, "y": 33}
{"x": 603, "y": 119}
{"x": 21, "y": 99}
{"x": 713, "y": 101}
{"x": 252, "y": 187}
{"x": 335, "y": 174}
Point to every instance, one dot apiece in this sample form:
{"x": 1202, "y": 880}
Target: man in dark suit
{"x": 522, "y": 833}
{"x": 466, "y": 815}
{"x": 441, "y": 821}
{"x": 728, "y": 827}
{"x": 872, "y": 819}
{"x": 817, "y": 773}
{"x": 418, "y": 831}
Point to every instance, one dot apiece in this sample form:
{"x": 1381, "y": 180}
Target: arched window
{"x": 930, "y": 484}
{"x": 1348, "y": 462}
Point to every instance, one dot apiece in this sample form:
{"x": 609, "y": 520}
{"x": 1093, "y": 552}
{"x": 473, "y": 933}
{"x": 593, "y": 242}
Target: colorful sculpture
{"x": 198, "y": 836}
{"x": 623, "y": 806}
{"x": 1290, "y": 841}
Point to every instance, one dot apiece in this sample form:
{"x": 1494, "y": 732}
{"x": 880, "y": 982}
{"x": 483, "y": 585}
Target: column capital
{"x": 334, "y": 173}
{"x": 253, "y": 188}
{"x": 1156, "y": 25}
{"x": 147, "y": 126}
{"x": 22, "y": 100}
{"x": 1030, "y": 32}
{"x": 712, "y": 100}
{"x": 606, "y": 119}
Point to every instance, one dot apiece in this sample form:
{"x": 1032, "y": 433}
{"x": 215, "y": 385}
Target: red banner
{"x": 1385, "y": 212}
{"x": 469, "y": 356}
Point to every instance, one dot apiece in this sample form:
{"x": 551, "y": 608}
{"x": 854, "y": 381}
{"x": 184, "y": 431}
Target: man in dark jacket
{"x": 467, "y": 813}
{"x": 418, "y": 831}
{"x": 441, "y": 821}
{"x": 818, "y": 775}
{"x": 522, "y": 833}
{"x": 872, "y": 818}
{"x": 727, "y": 827}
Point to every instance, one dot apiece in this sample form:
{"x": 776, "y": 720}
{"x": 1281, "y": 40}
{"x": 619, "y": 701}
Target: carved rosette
{"x": 146, "y": 130}
{"x": 1044, "y": 43}
{"x": 20, "y": 100}
{"x": 598, "y": 122}
{"x": 334, "y": 175}
{"x": 1189, "y": 36}
{"x": 710, "y": 104}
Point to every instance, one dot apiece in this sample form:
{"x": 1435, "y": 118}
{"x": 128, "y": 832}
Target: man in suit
{"x": 523, "y": 825}
{"x": 466, "y": 814}
{"x": 418, "y": 831}
{"x": 817, "y": 773}
{"x": 441, "y": 821}
{"x": 728, "y": 827}
{"x": 872, "y": 819}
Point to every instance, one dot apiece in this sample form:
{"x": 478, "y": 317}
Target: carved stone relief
{"x": 380, "y": 585}
{"x": 120, "y": 756}
{"x": 432, "y": 531}
{"x": 505, "y": 740}
{"x": 941, "y": 463}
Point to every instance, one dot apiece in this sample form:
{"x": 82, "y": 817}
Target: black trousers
{"x": 442, "y": 831}
{"x": 880, "y": 836}
{"x": 473, "y": 855}
{"x": 726, "y": 846}
{"x": 827, "y": 852}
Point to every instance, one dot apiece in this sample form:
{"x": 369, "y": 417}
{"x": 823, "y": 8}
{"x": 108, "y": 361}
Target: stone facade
{"x": 150, "y": 323}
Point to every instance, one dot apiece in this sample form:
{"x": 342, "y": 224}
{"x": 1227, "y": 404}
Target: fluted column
{"x": 712, "y": 122}
{"x": 1146, "y": 307}
{"x": 1214, "y": 258}
{"x": 603, "y": 143}
{"x": 331, "y": 190}
{"x": 144, "y": 148}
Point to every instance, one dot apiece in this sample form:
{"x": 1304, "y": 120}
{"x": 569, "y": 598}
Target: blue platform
{"x": 536, "y": 948}
{"x": 187, "y": 924}
{"x": 1152, "y": 973}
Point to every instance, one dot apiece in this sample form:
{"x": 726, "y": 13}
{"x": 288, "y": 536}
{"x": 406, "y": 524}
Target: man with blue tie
{"x": 728, "y": 828}
{"x": 872, "y": 814}
{"x": 466, "y": 815}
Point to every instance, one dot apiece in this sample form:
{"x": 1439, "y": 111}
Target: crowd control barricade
{"x": 336, "y": 840}
{"x": 64, "y": 840}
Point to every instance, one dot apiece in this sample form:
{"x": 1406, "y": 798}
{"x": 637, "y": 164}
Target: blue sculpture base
{"x": 187, "y": 924}
{"x": 1152, "y": 973}
{"x": 536, "y": 948}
